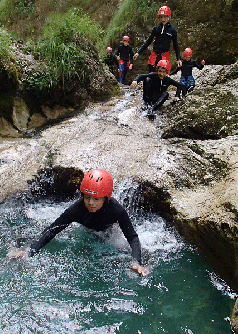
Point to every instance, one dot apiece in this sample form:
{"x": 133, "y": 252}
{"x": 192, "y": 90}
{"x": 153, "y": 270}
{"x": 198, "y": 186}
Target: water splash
{"x": 80, "y": 283}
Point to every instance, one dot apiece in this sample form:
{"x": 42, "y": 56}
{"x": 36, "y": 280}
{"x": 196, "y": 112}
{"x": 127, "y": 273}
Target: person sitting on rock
{"x": 155, "y": 85}
{"x": 187, "y": 79}
{"x": 96, "y": 210}
{"x": 111, "y": 60}
{"x": 162, "y": 35}
{"x": 125, "y": 57}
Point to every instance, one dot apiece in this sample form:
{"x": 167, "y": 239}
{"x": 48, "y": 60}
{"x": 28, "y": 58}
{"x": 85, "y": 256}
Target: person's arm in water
{"x": 46, "y": 236}
{"x": 133, "y": 240}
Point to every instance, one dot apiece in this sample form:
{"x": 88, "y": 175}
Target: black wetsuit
{"x": 187, "y": 78}
{"x": 111, "y": 212}
{"x": 126, "y": 58}
{"x": 155, "y": 90}
{"x": 162, "y": 36}
{"x": 111, "y": 60}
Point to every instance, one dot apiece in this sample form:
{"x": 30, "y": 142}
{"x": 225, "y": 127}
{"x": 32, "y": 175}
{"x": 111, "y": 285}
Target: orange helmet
{"x": 164, "y": 10}
{"x": 165, "y": 64}
{"x": 187, "y": 53}
{"x": 97, "y": 183}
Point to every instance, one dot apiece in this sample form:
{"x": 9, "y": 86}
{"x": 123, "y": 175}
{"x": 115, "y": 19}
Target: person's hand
{"x": 17, "y": 253}
{"x": 130, "y": 67}
{"x": 136, "y": 55}
{"x": 176, "y": 99}
{"x": 134, "y": 84}
{"x": 141, "y": 270}
{"x": 203, "y": 62}
{"x": 179, "y": 63}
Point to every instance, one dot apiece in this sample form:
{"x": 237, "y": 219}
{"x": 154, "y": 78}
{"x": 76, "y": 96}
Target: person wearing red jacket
{"x": 162, "y": 35}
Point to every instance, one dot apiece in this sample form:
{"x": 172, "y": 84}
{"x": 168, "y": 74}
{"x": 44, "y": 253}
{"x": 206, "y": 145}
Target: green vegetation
{"x": 62, "y": 49}
{"x": 5, "y": 43}
{"x": 128, "y": 12}
{"x": 7, "y": 61}
{"x": 66, "y": 42}
{"x": 15, "y": 8}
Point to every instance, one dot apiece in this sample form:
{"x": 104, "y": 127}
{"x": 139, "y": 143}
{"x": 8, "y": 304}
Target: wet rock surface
{"x": 190, "y": 180}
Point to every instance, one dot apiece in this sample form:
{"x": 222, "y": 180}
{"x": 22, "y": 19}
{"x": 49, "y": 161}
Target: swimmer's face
{"x": 93, "y": 204}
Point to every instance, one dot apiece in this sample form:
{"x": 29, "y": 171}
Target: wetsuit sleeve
{"x": 131, "y": 56}
{"x": 51, "y": 231}
{"x": 118, "y": 51}
{"x": 148, "y": 41}
{"x": 116, "y": 61}
{"x": 199, "y": 66}
{"x": 175, "y": 44}
{"x": 141, "y": 77}
{"x": 105, "y": 60}
{"x": 176, "y": 84}
{"x": 130, "y": 234}
{"x": 175, "y": 71}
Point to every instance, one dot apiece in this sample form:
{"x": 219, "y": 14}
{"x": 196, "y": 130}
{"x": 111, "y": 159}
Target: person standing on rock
{"x": 162, "y": 35}
{"x": 186, "y": 68}
{"x": 125, "y": 57}
{"x": 155, "y": 85}
{"x": 96, "y": 210}
{"x": 111, "y": 60}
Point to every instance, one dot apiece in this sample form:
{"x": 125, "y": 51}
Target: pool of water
{"x": 81, "y": 282}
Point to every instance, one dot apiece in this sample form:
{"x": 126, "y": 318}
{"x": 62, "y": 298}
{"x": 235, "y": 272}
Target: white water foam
{"x": 222, "y": 286}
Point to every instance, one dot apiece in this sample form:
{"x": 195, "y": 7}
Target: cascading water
{"x": 81, "y": 281}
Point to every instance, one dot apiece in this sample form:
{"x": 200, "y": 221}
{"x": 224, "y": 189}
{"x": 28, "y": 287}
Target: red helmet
{"x": 187, "y": 53}
{"x": 126, "y": 38}
{"x": 97, "y": 183}
{"x": 109, "y": 49}
{"x": 165, "y": 64}
{"x": 164, "y": 10}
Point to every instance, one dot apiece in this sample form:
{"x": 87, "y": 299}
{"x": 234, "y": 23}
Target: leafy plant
{"x": 7, "y": 61}
{"x": 15, "y": 8}
{"x": 62, "y": 48}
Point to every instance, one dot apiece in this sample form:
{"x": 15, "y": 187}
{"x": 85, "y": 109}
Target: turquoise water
{"x": 80, "y": 283}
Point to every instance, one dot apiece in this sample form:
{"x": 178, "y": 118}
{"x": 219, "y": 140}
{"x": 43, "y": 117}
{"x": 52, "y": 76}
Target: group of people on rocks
{"x": 157, "y": 81}
{"x": 96, "y": 209}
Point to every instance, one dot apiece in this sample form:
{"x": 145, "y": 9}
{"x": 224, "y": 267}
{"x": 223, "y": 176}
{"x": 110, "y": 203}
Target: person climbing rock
{"x": 155, "y": 85}
{"x": 96, "y": 210}
{"x": 125, "y": 56}
{"x": 186, "y": 68}
{"x": 111, "y": 60}
{"x": 162, "y": 35}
